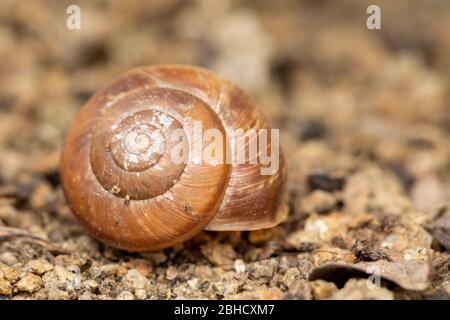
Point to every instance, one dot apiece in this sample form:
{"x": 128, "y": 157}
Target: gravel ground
{"x": 365, "y": 124}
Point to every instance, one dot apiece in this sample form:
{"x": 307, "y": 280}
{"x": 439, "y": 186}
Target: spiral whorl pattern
{"x": 117, "y": 167}
{"x": 131, "y": 145}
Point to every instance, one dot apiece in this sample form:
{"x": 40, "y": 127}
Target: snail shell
{"x": 116, "y": 168}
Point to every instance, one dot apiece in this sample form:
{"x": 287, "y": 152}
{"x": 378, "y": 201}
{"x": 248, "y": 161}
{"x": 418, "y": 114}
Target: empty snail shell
{"x": 118, "y": 175}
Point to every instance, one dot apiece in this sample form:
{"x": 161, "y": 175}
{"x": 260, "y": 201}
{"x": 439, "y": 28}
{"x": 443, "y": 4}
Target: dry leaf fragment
{"x": 410, "y": 275}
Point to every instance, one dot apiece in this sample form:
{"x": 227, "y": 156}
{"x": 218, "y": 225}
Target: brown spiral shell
{"x": 118, "y": 177}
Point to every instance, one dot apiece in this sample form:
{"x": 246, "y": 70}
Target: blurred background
{"x": 368, "y": 107}
{"x": 313, "y": 67}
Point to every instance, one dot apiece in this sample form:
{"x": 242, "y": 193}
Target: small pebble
{"x": 171, "y": 273}
{"x": 239, "y": 266}
{"x": 90, "y": 285}
{"x": 86, "y": 295}
{"x": 38, "y": 267}
{"x": 5, "y": 287}
{"x": 30, "y": 283}
{"x": 9, "y": 273}
{"x": 290, "y": 276}
{"x": 8, "y": 258}
{"x": 57, "y": 294}
{"x": 193, "y": 283}
{"x": 125, "y": 295}
{"x": 140, "y": 294}
{"x": 133, "y": 280}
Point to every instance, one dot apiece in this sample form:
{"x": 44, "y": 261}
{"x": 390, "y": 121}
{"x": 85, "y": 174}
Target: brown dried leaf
{"x": 410, "y": 275}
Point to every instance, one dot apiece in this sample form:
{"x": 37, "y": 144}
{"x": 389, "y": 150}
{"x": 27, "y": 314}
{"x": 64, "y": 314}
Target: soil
{"x": 364, "y": 117}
